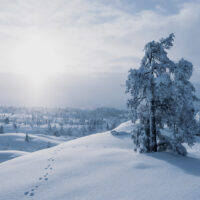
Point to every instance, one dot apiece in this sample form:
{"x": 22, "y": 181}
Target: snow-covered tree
{"x": 161, "y": 94}
{"x": 61, "y": 131}
{"x": 6, "y": 120}
{"x": 1, "y": 129}
{"x": 15, "y": 126}
{"x": 27, "y": 138}
{"x": 49, "y": 126}
{"x": 48, "y": 145}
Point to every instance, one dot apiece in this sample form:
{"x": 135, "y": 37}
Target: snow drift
{"x": 100, "y": 167}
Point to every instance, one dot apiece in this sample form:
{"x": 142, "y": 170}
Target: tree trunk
{"x": 152, "y": 111}
{"x": 148, "y": 137}
{"x": 153, "y": 120}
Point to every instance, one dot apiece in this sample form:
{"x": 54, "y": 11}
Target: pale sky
{"x": 77, "y": 53}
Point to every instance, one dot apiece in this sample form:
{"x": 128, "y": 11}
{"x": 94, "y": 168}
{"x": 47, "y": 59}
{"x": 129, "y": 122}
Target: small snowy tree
{"x": 1, "y": 129}
{"x": 48, "y": 145}
{"x": 27, "y": 138}
{"x": 61, "y": 131}
{"x": 49, "y": 126}
{"x": 161, "y": 94}
{"x": 6, "y": 120}
{"x": 15, "y": 127}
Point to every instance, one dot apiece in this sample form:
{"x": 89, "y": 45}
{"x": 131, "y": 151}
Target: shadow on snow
{"x": 188, "y": 164}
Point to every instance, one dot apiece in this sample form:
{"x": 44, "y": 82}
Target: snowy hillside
{"x": 100, "y": 167}
{"x": 16, "y": 141}
{"x": 10, "y": 154}
{"x": 125, "y": 127}
{"x": 13, "y": 144}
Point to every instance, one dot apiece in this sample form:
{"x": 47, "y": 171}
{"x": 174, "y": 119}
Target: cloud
{"x": 90, "y": 36}
{"x": 96, "y": 35}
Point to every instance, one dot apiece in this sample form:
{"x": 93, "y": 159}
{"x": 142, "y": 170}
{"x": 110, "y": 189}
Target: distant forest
{"x": 60, "y": 121}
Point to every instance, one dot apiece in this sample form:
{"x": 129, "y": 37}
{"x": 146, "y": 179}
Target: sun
{"x": 36, "y": 57}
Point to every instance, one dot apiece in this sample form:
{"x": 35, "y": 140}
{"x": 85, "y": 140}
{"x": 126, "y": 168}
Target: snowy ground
{"x": 100, "y": 167}
{"x": 13, "y": 144}
{"x": 10, "y": 154}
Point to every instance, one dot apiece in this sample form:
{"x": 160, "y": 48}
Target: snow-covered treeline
{"x": 60, "y": 121}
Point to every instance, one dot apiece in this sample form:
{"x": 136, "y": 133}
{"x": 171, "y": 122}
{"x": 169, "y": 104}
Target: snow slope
{"x": 13, "y": 144}
{"x": 100, "y": 167}
{"x": 125, "y": 127}
{"x": 10, "y": 154}
{"x": 16, "y": 141}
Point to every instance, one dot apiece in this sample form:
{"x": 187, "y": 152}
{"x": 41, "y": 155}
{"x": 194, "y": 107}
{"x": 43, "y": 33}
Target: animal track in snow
{"x": 31, "y": 194}
{"x": 51, "y": 159}
{"x": 32, "y": 191}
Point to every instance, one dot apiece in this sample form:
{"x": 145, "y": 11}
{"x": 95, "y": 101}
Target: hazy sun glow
{"x": 37, "y": 58}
